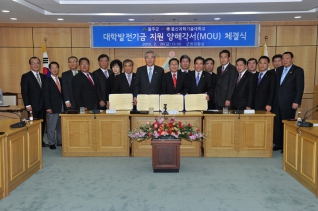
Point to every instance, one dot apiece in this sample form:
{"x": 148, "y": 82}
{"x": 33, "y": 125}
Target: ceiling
{"x": 174, "y": 11}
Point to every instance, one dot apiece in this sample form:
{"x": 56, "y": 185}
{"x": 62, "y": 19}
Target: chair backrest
{"x": 10, "y": 98}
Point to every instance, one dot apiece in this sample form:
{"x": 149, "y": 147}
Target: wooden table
{"x": 8, "y": 112}
{"x": 233, "y": 135}
{"x": 20, "y": 153}
{"x": 105, "y": 135}
{"x": 300, "y": 154}
{"x": 187, "y": 148}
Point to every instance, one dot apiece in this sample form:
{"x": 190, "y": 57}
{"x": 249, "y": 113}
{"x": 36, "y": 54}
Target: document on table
{"x": 195, "y": 102}
{"x": 120, "y": 102}
{"x": 144, "y": 102}
{"x": 174, "y": 102}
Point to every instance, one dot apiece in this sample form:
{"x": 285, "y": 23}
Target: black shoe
{"x": 276, "y": 148}
{"x": 52, "y": 147}
{"x": 44, "y": 144}
{"x": 282, "y": 152}
{"x": 59, "y": 145}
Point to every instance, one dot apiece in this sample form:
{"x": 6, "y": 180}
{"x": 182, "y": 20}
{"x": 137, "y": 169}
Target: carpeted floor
{"x": 128, "y": 183}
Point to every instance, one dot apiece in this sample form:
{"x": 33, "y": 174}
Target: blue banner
{"x": 186, "y": 36}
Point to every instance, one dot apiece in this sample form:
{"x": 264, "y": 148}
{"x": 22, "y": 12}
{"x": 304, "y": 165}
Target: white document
{"x": 174, "y": 102}
{"x": 144, "y": 102}
{"x": 195, "y": 102}
{"x": 120, "y": 102}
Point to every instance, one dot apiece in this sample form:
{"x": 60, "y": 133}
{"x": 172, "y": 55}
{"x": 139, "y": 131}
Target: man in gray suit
{"x": 148, "y": 77}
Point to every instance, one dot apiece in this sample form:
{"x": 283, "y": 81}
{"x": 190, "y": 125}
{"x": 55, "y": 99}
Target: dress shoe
{"x": 276, "y": 148}
{"x": 52, "y": 147}
{"x": 44, "y": 144}
{"x": 59, "y": 145}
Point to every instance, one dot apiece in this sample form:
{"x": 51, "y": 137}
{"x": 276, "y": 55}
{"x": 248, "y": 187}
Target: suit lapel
{"x": 35, "y": 80}
{"x": 289, "y": 74}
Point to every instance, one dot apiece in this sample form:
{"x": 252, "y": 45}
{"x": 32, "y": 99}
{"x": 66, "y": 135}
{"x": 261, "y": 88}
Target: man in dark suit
{"x": 174, "y": 82}
{"x": 209, "y": 66}
{"x": 84, "y": 87}
{"x": 226, "y": 80}
{"x": 199, "y": 80}
{"x": 265, "y": 86}
{"x": 148, "y": 77}
{"x": 67, "y": 83}
{"x": 54, "y": 105}
{"x": 104, "y": 79}
{"x": 124, "y": 82}
{"x": 31, "y": 90}
{"x": 184, "y": 63}
{"x": 289, "y": 92}
{"x": 277, "y": 62}
{"x": 243, "y": 95}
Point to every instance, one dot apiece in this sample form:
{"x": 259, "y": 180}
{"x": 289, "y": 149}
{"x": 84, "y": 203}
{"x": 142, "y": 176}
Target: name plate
{"x": 110, "y": 111}
{"x": 249, "y": 111}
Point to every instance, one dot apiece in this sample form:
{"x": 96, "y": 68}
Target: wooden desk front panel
{"x": 187, "y": 148}
{"x": 77, "y": 135}
{"x": 2, "y": 166}
{"x": 228, "y": 136}
{"x": 24, "y": 153}
{"x": 82, "y": 135}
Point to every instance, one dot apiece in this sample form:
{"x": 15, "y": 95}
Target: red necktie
{"x": 90, "y": 80}
{"x": 58, "y": 84}
{"x": 174, "y": 80}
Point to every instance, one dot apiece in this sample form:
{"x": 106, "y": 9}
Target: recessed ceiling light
{"x": 14, "y": 19}
{"x": 5, "y": 11}
{"x": 216, "y": 19}
{"x": 174, "y": 19}
{"x": 195, "y": 19}
{"x": 297, "y": 17}
{"x": 60, "y": 19}
{"x": 131, "y": 19}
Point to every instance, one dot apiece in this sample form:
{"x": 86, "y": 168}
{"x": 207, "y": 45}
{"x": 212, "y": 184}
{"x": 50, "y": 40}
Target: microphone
{"x": 303, "y": 123}
{"x": 18, "y": 124}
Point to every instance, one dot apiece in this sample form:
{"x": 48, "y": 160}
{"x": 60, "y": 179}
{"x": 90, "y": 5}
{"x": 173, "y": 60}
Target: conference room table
{"x": 300, "y": 154}
{"x": 20, "y": 153}
{"x": 11, "y": 111}
{"x": 228, "y": 135}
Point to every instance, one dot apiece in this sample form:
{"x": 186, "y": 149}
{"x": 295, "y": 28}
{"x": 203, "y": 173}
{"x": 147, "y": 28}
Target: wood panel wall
{"x": 19, "y": 42}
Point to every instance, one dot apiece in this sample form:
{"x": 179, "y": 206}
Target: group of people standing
{"x": 237, "y": 86}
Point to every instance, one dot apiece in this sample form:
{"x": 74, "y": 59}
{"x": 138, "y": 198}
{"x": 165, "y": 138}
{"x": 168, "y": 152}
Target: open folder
{"x": 195, "y": 102}
{"x": 174, "y": 102}
{"x": 120, "y": 101}
{"x": 144, "y": 102}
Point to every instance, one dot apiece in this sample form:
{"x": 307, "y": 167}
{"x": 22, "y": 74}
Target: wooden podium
{"x": 166, "y": 155}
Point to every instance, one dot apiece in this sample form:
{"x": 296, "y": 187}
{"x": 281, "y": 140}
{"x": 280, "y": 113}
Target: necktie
{"x": 222, "y": 69}
{"x": 239, "y": 78}
{"x": 283, "y": 75}
{"x": 58, "y": 84}
{"x": 150, "y": 74}
{"x": 259, "y": 78}
{"x": 75, "y": 73}
{"x": 106, "y": 74}
{"x": 197, "y": 79}
{"x": 90, "y": 80}
{"x": 174, "y": 80}
{"x": 38, "y": 79}
{"x": 129, "y": 79}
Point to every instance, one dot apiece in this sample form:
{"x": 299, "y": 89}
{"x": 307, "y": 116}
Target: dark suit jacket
{"x": 67, "y": 88}
{"x": 225, "y": 84}
{"x": 52, "y": 97}
{"x": 84, "y": 93}
{"x": 121, "y": 85}
{"x": 142, "y": 85}
{"x": 211, "y": 103}
{"x": 204, "y": 85}
{"x": 182, "y": 83}
{"x": 292, "y": 88}
{"x": 31, "y": 91}
{"x": 243, "y": 95}
{"x": 103, "y": 85}
{"x": 265, "y": 91}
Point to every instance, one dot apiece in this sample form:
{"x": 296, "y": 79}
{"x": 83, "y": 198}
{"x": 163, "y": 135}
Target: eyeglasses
{"x": 35, "y": 63}
{"x": 84, "y": 64}
{"x": 72, "y": 62}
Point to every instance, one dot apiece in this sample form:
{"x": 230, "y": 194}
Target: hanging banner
{"x": 185, "y": 36}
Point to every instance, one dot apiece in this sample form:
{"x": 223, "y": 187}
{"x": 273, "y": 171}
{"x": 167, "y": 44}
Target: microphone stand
{"x": 303, "y": 123}
{"x": 19, "y": 124}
